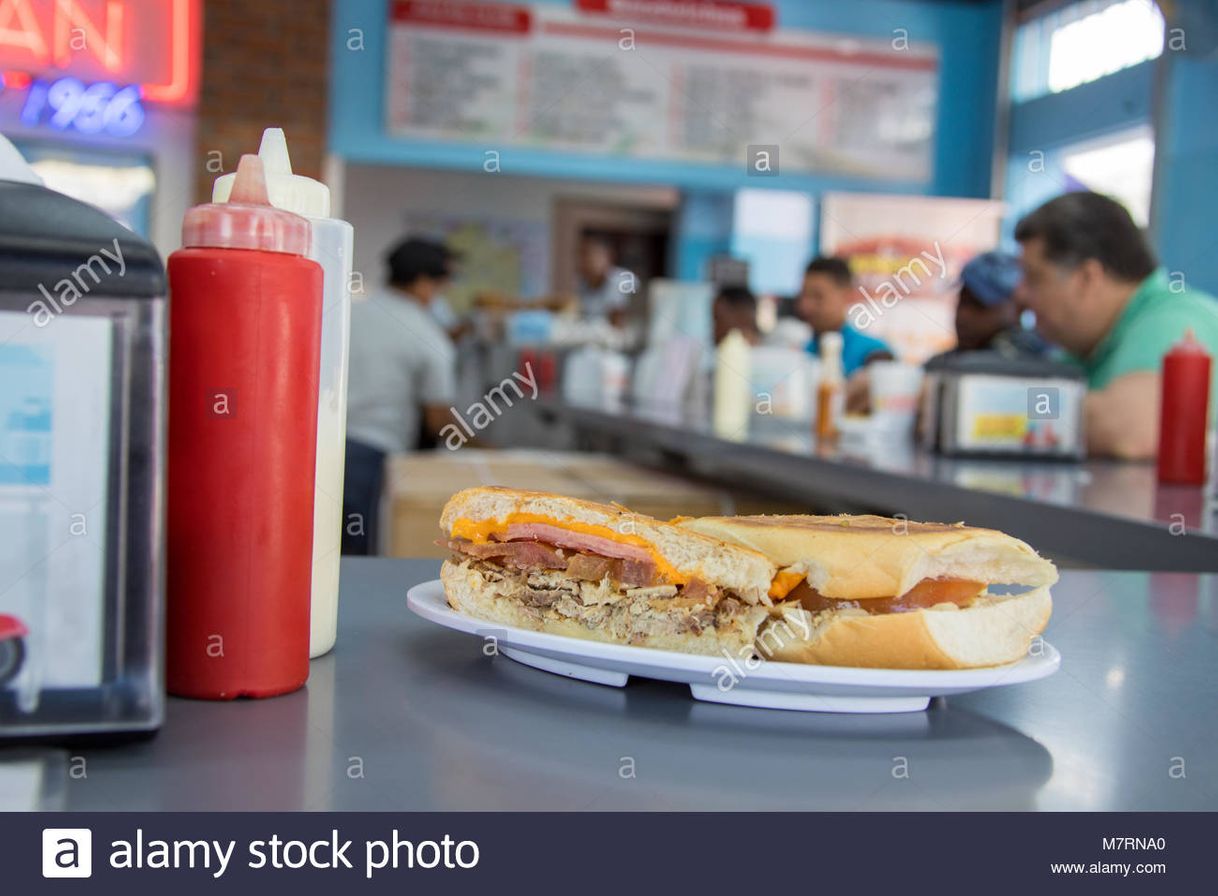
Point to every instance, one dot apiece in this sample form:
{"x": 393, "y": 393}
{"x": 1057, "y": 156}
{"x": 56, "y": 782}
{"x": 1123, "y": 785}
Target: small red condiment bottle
{"x": 1184, "y": 412}
{"x": 245, "y": 330}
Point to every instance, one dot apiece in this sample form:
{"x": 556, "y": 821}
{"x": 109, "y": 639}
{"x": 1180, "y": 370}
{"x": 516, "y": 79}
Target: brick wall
{"x": 265, "y": 64}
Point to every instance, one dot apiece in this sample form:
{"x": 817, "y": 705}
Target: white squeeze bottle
{"x": 733, "y": 393}
{"x": 331, "y": 248}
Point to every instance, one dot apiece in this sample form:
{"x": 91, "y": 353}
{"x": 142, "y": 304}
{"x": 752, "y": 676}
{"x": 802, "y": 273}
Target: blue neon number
{"x": 90, "y": 109}
{"x": 124, "y": 113}
{"x": 35, "y": 102}
{"x": 64, "y": 97}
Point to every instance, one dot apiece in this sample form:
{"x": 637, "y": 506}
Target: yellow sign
{"x": 1000, "y": 426}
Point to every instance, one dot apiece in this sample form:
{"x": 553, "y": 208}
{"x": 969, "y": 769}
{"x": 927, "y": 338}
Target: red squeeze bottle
{"x": 1183, "y": 412}
{"x": 245, "y": 331}
{"x": 547, "y": 373}
{"x": 526, "y": 361}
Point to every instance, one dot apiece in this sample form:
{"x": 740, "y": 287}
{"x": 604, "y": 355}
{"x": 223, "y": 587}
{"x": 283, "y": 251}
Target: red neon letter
{"x": 19, "y": 28}
{"x": 183, "y": 43}
{"x": 70, "y": 17}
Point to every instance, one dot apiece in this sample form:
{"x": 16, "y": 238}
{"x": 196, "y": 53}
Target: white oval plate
{"x": 729, "y": 678}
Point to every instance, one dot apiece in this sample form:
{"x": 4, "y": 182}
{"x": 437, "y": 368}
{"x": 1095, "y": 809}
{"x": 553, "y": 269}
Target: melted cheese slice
{"x": 480, "y": 532}
{"x": 784, "y": 583}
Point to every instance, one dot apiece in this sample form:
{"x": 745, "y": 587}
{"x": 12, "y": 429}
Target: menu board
{"x": 668, "y": 81}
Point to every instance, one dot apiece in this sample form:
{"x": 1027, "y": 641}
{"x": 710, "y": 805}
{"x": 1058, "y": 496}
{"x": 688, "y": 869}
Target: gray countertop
{"x": 405, "y": 715}
{"x": 1106, "y": 514}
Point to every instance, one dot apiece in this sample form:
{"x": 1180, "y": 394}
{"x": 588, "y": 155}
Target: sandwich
{"x": 890, "y": 593}
{"x": 597, "y": 571}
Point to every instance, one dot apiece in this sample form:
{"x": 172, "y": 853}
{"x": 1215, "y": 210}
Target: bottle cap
{"x": 288, "y": 191}
{"x": 247, "y": 220}
{"x": 735, "y": 339}
{"x": 1189, "y": 343}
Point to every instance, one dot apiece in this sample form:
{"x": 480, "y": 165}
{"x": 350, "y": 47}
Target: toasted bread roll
{"x": 889, "y": 593}
{"x": 862, "y": 557}
{"x": 991, "y": 632}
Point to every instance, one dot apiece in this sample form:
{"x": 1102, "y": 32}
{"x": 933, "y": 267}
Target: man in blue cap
{"x": 987, "y": 318}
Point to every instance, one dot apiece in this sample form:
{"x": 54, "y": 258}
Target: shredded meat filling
{"x": 627, "y": 611}
{"x": 696, "y": 589}
{"x": 526, "y": 555}
{"x": 540, "y": 597}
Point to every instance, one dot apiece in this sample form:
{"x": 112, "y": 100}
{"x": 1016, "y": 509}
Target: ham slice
{"x": 579, "y": 541}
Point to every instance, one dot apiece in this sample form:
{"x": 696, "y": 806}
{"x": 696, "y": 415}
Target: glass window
{"x": 1120, "y": 166}
{"x": 121, "y": 184}
{"x": 1082, "y": 42}
{"x": 772, "y": 230}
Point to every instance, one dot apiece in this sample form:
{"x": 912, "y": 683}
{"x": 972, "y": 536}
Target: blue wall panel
{"x": 1113, "y": 103}
{"x": 1186, "y": 169}
{"x": 704, "y": 228}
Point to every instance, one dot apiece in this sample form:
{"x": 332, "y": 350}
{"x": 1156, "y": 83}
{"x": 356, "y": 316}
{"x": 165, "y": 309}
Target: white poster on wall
{"x": 496, "y": 254}
{"x": 695, "y": 81}
{"x": 906, "y": 253}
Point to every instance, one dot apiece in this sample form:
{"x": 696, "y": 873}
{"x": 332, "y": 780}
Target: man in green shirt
{"x": 1098, "y": 292}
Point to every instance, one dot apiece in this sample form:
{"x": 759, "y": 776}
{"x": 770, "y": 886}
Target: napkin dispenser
{"x": 984, "y": 404}
{"x": 82, "y": 416}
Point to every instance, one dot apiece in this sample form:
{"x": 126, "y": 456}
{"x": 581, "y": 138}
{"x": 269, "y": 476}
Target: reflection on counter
{"x": 1128, "y": 491}
{"x": 33, "y": 780}
{"x": 803, "y": 760}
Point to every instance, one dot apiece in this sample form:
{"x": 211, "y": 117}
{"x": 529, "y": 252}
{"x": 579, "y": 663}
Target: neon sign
{"x": 103, "y": 43}
{"x": 91, "y": 109}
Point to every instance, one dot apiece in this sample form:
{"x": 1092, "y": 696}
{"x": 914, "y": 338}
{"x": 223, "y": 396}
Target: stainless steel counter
{"x": 1105, "y": 514}
{"x": 405, "y": 715}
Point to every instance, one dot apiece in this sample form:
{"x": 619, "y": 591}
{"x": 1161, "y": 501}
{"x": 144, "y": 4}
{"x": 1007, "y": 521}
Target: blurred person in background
{"x": 987, "y": 315}
{"x": 604, "y": 289}
{"x": 827, "y": 294}
{"x": 402, "y": 379}
{"x": 735, "y": 308}
{"x": 1097, "y": 291}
